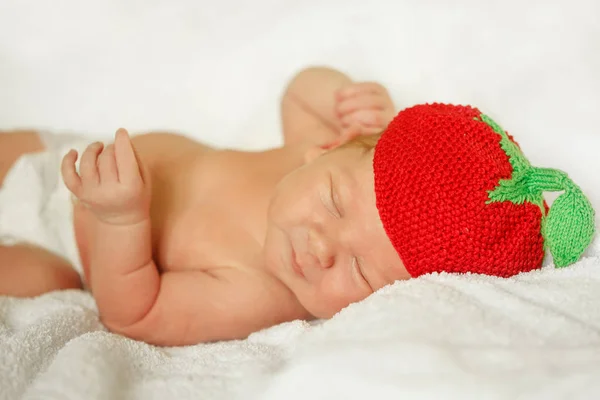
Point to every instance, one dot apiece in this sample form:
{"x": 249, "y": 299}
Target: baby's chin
{"x": 320, "y": 309}
{"x": 324, "y": 314}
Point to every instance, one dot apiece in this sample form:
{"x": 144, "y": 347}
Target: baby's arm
{"x": 322, "y": 105}
{"x": 175, "y": 308}
{"x": 123, "y": 276}
{"x": 308, "y": 106}
{"x": 196, "y": 306}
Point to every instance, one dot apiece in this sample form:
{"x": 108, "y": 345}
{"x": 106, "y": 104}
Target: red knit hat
{"x": 456, "y": 194}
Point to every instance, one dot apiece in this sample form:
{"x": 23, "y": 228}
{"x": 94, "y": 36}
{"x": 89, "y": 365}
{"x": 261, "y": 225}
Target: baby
{"x": 181, "y": 243}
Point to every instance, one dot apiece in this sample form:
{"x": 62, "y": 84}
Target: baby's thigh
{"x": 13, "y": 144}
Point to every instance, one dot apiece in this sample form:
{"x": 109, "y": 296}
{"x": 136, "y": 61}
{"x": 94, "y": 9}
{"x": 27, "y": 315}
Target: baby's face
{"x": 325, "y": 240}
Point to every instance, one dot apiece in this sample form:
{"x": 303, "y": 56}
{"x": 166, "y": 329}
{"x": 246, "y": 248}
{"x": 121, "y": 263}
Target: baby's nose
{"x": 322, "y": 249}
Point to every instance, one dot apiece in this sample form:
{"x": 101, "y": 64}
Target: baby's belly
{"x": 167, "y": 157}
{"x": 173, "y": 231}
{"x": 204, "y": 237}
{"x": 197, "y": 238}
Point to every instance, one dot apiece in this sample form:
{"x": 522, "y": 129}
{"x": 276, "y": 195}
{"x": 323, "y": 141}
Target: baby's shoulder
{"x": 164, "y": 148}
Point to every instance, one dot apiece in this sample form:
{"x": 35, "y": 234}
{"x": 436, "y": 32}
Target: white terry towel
{"x": 533, "y": 336}
{"x": 536, "y": 335}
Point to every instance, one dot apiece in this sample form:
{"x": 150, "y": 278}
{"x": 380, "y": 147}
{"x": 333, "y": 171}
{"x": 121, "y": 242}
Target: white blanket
{"x": 536, "y": 335}
{"x": 214, "y": 70}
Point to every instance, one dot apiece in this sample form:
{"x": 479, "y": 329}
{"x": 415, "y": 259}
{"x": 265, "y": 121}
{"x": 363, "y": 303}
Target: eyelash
{"x": 360, "y": 273}
{"x": 332, "y": 196}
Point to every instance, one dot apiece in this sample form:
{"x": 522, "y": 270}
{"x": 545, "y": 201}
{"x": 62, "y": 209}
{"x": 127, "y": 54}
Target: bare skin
{"x": 182, "y": 243}
{"x": 13, "y": 145}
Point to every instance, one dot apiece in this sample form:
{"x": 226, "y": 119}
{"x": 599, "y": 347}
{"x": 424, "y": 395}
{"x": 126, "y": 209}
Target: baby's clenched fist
{"x": 365, "y": 107}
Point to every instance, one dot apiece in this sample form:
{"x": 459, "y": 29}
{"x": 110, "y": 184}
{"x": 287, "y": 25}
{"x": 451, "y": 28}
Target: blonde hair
{"x": 366, "y": 142}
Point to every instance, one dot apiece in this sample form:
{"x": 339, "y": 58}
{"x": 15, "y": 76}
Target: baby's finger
{"x": 88, "y": 168}
{"x": 364, "y": 130}
{"x": 367, "y": 118}
{"x": 127, "y": 164}
{"x": 107, "y": 165}
{"x": 369, "y": 101}
{"x": 331, "y": 144}
{"x": 359, "y": 88}
{"x": 351, "y": 132}
{"x": 69, "y": 173}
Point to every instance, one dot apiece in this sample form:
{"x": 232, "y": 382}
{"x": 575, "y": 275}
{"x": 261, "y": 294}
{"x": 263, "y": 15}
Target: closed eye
{"x": 333, "y": 197}
{"x": 359, "y": 271}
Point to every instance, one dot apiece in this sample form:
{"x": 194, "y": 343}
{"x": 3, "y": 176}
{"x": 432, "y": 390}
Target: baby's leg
{"x": 13, "y": 144}
{"x": 27, "y": 271}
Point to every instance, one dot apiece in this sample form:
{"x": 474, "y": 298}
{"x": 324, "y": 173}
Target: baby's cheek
{"x": 288, "y": 208}
{"x": 337, "y": 291}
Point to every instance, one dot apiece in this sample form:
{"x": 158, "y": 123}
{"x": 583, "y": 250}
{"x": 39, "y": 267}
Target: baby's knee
{"x": 14, "y": 144}
{"x": 62, "y": 277}
{"x": 27, "y": 271}
{"x": 54, "y": 272}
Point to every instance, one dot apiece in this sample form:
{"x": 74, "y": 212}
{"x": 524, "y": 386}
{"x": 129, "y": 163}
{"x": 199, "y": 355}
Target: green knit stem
{"x": 568, "y": 229}
{"x": 523, "y": 186}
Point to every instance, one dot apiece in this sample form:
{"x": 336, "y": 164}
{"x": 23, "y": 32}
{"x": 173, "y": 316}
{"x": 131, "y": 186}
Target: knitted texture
{"x": 456, "y": 194}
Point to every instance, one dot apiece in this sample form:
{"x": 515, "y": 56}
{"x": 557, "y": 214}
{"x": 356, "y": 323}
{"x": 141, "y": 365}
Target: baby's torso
{"x": 201, "y": 200}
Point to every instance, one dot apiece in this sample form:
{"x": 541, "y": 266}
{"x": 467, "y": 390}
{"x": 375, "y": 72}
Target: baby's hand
{"x": 110, "y": 181}
{"x": 365, "y": 106}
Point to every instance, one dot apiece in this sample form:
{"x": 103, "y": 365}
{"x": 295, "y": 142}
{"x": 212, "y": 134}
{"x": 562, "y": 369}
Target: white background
{"x": 216, "y": 69}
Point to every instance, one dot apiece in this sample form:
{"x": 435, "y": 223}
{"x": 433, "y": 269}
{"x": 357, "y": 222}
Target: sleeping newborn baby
{"x": 181, "y": 243}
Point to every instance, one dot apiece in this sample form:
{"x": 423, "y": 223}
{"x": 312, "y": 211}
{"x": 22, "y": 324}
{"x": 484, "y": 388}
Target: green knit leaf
{"x": 569, "y": 228}
{"x": 515, "y": 156}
